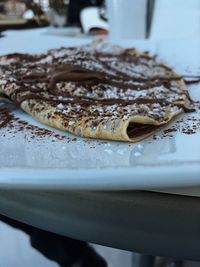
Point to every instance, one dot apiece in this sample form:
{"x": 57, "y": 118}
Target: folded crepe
{"x": 104, "y": 92}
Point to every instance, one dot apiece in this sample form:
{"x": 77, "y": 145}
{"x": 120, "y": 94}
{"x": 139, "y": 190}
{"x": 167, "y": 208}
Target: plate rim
{"x": 101, "y": 179}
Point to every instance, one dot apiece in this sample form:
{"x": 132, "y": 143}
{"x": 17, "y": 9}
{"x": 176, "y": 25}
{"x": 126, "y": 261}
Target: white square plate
{"x": 173, "y": 161}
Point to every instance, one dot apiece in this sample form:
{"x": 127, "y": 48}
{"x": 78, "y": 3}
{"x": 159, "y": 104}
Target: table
{"x": 140, "y": 221}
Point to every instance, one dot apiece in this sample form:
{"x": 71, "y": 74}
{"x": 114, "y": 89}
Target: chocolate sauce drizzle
{"x": 191, "y": 79}
{"x": 78, "y": 71}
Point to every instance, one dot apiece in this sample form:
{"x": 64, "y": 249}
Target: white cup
{"x": 127, "y": 19}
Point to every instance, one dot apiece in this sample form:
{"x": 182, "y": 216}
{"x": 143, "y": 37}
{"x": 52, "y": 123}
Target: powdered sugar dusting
{"x": 126, "y": 74}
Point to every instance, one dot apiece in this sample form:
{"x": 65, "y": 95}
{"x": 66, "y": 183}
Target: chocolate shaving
{"x": 5, "y": 117}
{"x": 191, "y": 79}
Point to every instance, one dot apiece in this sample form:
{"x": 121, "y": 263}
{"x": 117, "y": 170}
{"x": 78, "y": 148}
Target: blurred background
{"x": 130, "y": 19}
{"x": 21, "y": 14}
{"x": 78, "y": 16}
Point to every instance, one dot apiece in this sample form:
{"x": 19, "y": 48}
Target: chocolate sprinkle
{"x": 5, "y": 117}
{"x": 14, "y": 124}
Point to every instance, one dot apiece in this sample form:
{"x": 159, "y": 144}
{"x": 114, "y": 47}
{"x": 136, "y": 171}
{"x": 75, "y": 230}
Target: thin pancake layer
{"x": 107, "y": 93}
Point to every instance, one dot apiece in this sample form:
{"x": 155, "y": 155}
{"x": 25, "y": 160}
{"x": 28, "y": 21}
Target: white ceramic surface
{"x": 47, "y": 163}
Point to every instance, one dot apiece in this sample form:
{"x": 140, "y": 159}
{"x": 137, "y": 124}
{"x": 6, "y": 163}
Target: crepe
{"x": 104, "y": 92}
